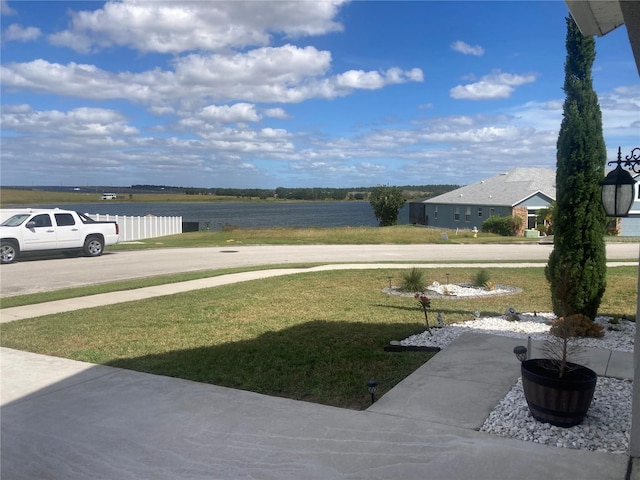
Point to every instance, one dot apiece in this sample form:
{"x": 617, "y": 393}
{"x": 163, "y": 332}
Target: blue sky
{"x": 296, "y": 94}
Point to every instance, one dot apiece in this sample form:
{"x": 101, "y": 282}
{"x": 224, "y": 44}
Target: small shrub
{"x": 576, "y": 325}
{"x": 413, "y": 280}
{"x": 489, "y": 285}
{"x": 505, "y": 226}
{"x": 481, "y": 278}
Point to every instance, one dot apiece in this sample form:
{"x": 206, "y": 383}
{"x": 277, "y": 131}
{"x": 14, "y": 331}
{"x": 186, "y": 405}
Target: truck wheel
{"x": 9, "y": 251}
{"x": 93, "y": 246}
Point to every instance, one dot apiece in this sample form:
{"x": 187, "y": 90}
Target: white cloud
{"x": 492, "y": 86}
{"x": 80, "y": 122}
{"x": 359, "y": 79}
{"x": 180, "y": 26}
{"x": 276, "y": 113}
{"x": 240, "y": 112}
{"x": 373, "y": 80}
{"x": 5, "y": 9}
{"x": 620, "y": 118}
{"x": 270, "y": 74}
{"x": 16, "y": 32}
{"x": 465, "y": 48}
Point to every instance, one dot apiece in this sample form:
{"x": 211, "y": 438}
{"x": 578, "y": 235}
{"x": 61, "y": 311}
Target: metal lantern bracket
{"x": 631, "y": 161}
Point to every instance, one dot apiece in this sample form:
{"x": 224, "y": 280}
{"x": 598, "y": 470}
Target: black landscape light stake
{"x": 372, "y": 386}
{"x": 447, "y": 279}
{"x": 390, "y": 278}
{"x": 520, "y": 352}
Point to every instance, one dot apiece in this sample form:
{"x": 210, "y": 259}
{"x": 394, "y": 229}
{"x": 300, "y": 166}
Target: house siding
{"x": 630, "y": 226}
{"x": 446, "y": 215}
{"x": 538, "y": 200}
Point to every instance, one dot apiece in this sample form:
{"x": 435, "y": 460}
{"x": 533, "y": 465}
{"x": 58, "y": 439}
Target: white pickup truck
{"x": 37, "y": 230}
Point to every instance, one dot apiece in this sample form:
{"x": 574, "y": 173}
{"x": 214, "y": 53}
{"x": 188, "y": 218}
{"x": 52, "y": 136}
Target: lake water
{"x": 249, "y": 215}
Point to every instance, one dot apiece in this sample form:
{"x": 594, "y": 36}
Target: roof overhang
{"x": 599, "y": 17}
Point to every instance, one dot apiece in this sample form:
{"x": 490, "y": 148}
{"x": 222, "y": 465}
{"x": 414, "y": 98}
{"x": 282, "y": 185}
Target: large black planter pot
{"x": 562, "y": 402}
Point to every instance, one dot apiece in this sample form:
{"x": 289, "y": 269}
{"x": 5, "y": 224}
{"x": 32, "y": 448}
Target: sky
{"x": 267, "y": 94}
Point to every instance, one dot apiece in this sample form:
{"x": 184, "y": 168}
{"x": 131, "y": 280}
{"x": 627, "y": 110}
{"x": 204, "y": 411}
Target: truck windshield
{"x": 15, "y": 220}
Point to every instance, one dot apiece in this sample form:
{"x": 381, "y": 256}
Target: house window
{"x": 479, "y": 212}
{"x": 456, "y": 214}
{"x": 467, "y": 214}
{"x": 492, "y": 212}
{"x": 435, "y": 212}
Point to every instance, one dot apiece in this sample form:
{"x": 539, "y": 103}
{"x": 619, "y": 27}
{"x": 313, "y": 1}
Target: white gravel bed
{"x": 608, "y": 422}
{"x": 455, "y": 290}
{"x": 534, "y": 325}
{"x": 606, "y": 427}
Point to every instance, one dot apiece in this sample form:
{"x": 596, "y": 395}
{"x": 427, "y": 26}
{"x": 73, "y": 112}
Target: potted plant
{"x": 557, "y": 390}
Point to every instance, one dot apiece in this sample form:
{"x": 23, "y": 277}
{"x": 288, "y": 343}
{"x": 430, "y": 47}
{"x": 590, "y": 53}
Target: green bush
{"x": 413, "y": 280}
{"x": 505, "y": 226}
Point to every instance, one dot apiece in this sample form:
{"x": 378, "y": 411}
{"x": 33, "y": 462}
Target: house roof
{"x": 507, "y": 189}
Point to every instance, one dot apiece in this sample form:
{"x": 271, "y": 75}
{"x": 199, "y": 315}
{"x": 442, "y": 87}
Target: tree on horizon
{"x": 577, "y": 265}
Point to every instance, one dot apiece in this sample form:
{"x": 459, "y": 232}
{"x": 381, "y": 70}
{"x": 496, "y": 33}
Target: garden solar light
{"x": 390, "y": 277}
{"x": 520, "y": 352}
{"x": 372, "y": 386}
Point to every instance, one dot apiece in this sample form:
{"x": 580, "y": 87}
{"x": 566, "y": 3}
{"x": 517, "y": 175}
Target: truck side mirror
{"x": 31, "y": 224}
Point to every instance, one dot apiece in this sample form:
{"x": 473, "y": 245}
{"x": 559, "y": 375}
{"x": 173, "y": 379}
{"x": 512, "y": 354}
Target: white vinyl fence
{"x": 139, "y": 228}
{"x": 131, "y": 228}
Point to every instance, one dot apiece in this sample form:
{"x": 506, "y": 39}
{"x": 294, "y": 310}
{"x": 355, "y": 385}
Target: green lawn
{"x": 310, "y": 336}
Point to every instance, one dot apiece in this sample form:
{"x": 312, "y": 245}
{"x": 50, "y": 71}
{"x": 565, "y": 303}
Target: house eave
{"x": 599, "y": 17}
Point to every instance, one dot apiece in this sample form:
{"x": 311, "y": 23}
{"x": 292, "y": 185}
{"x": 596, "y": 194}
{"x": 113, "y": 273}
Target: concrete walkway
{"x": 63, "y": 419}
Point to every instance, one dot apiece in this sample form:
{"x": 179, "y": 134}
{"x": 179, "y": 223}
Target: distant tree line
{"x": 316, "y": 193}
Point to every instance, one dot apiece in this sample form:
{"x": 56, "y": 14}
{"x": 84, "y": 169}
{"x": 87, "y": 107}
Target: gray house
{"x": 520, "y": 192}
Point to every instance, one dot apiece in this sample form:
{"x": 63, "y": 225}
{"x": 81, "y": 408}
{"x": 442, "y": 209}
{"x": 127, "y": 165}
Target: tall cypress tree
{"x": 577, "y": 266}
